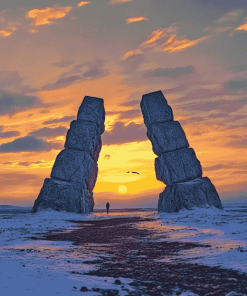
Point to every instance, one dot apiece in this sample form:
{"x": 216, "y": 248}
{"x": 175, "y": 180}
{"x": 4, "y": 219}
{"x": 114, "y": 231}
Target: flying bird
{"x": 133, "y": 173}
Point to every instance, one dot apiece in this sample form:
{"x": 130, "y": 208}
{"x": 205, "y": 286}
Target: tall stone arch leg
{"x": 176, "y": 165}
{"x": 75, "y": 169}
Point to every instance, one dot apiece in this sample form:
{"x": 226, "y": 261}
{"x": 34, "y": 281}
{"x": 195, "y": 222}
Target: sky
{"x": 55, "y": 53}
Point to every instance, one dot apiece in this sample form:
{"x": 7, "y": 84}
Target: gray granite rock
{"x": 155, "y": 108}
{"x": 92, "y": 110}
{"x": 63, "y": 196}
{"x": 75, "y": 166}
{"x": 199, "y": 192}
{"x": 177, "y": 166}
{"x": 84, "y": 136}
{"x": 75, "y": 169}
{"x": 167, "y": 137}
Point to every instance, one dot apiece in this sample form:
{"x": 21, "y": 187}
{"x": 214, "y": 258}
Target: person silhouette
{"x": 107, "y": 207}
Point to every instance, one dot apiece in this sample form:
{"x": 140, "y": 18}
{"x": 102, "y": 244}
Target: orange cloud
{"x": 131, "y": 53}
{"x": 242, "y": 27}
{"x": 45, "y": 16}
{"x": 5, "y": 33}
{"x": 136, "y": 19}
{"x": 158, "y": 34}
{"x": 231, "y": 16}
{"x": 82, "y": 3}
{"x": 118, "y": 1}
{"x": 174, "y": 44}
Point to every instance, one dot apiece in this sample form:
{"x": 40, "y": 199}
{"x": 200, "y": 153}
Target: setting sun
{"x": 122, "y": 189}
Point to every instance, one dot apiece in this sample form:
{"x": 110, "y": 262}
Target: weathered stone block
{"x": 75, "y": 166}
{"x": 177, "y": 166}
{"x": 199, "y": 192}
{"x": 63, "y": 196}
{"x": 155, "y": 108}
{"x": 92, "y": 109}
{"x": 167, "y": 136}
{"x": 84, "y": 136}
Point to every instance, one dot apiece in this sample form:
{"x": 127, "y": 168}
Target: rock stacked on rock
{"x": 176, "y": 165}
{"x": 75, "y": 170}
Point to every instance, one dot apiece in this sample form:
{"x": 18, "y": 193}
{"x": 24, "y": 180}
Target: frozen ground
{"x": 31, "y": 266}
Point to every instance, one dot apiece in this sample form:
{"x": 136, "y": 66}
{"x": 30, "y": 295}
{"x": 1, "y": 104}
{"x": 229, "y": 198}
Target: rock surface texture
{"x": 75, "y": 170}
{"x": 176, "y": 165}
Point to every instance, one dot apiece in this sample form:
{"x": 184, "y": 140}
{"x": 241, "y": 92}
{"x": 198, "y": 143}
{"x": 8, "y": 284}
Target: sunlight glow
{"x": 122, "y": 189}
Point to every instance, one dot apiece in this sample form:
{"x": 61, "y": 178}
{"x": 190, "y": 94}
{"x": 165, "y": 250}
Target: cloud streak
{"x": 49, "y": 132}
{"x": 136, "y": 19}
{"x": 82, "y": 3}
{"x": 173, "y": 42}
{"x": 169, "y": 72}
{"x": 131, "y": 53}
{"x": 79, "y": 73}
{"x": 28, "y": 143}
{"x": 242, "y": 27}
{"x": 10, "y": 103}
{"x": 118, "y": 1}
{"x": 231, "y": 16}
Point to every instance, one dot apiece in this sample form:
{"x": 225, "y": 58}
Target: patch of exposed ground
{"x": 132, "y": 252}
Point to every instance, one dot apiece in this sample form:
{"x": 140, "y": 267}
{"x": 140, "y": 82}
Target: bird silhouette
{"x": 133, "y": 173}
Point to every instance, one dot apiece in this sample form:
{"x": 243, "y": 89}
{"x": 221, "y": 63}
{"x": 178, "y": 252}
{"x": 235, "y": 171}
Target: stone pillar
{"x": 176, "y": 165}
{"x": 75, "y": 170}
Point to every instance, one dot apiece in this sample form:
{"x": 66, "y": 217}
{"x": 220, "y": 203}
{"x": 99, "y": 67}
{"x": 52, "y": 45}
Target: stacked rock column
{"x": 176, "y": 165}
{"x": 75, "y": 170}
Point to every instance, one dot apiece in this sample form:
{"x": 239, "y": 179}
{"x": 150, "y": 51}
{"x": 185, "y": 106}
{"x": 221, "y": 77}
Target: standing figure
{"x": 107, "y": 207}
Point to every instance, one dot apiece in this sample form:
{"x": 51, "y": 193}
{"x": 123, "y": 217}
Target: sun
{"x": 122, "y": 189}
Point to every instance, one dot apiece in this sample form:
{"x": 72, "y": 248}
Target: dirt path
{"x": 133, "y": 253}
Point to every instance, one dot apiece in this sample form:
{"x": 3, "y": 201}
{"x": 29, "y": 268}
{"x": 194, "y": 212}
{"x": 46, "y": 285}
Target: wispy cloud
{"x": 28, "y": 143}
{"x": 132, "y": 60}
{"x": 82, "y": 3}
{"x": 58, "y": 120}
{"x": 217, "y": 29}
{"x": 170, "y": 72}
{"x": 79, "y": 73}
{"x": 45, "y": 16}
{"x": 8, "y": 134}
{"x": 231, "y": 16}
{"x": 135, "y": 19}
{"x": 118, "y": 1}
{"x": 13, "y": 103}
{"x": 243, "y": 26}
{"x": 131, "y": 53}
{"x": 5, "y": 33}
{"x": 175, "y": 43}
{"x": 47, "y": 132}
{"x": 159, "y": 34}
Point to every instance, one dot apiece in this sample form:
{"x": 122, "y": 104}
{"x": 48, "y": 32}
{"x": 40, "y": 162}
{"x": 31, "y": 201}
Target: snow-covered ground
{"x": 225, "y": 231}
{"x": 39, "y": 267}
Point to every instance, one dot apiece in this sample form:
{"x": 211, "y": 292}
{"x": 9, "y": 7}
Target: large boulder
{"x": 177, "y": 166}
{"x": 92, "y": 110}
{"x": 155, "y": 108}
{"x": 199, "y": 192}
{"x": 84, "y": 136}
{"x": 167, "y": 137}
{"x": 75, "y": 166}
{"x": 64, "y": 196}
